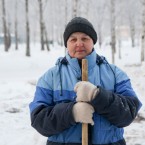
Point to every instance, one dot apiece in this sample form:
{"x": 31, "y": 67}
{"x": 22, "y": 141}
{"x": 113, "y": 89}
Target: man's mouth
{"x": 80, "y": 51}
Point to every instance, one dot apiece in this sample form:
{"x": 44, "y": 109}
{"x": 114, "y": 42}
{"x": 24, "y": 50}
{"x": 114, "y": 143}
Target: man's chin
{"x": 80, "y": 57}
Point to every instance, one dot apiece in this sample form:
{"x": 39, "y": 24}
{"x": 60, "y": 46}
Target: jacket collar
{"x": 74, "y": 61}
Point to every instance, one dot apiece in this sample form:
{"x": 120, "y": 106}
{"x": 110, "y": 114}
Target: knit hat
{"x": 79, "y": 24}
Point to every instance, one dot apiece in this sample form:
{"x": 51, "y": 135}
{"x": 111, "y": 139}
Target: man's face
{"x": 79, "y": 45}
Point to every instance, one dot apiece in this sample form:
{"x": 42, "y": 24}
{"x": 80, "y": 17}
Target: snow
{"x": 19, "y": 74}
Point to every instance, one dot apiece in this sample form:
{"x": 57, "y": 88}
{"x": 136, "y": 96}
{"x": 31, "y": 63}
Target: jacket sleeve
{"x": 120, "y": 109}
{"x": 49, "y": 117}
{"x": 50, "y": 120}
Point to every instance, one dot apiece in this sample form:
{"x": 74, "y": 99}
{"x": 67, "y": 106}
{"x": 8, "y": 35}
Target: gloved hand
{"x": 85, "y": 91}
{"x": 83, "y": 113}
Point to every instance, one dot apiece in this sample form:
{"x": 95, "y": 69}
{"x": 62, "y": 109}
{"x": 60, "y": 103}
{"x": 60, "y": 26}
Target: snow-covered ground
{"x": 18, "y": 76}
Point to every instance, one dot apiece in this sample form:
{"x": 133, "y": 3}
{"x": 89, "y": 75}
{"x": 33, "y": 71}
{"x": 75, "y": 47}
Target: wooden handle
{"x": 84, "y": 70}
{"x": 84, "y": 125}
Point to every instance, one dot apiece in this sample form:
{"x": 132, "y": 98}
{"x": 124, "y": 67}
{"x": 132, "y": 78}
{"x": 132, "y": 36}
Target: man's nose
{"x": 79, "y": 43}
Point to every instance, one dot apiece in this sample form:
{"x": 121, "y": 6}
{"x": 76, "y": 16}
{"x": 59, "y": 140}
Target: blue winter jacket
{"x": 115, "y": 106}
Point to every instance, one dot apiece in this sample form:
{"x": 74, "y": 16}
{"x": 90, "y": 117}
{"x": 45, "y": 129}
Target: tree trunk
{"x": 27, "y": 31}
{"x": 66, "y": 12}
{"x": 133, "y": 37}
{"x": 46, "y": 38}
{"x": 100, "y": 36}
{"x": 132, "y": 32}
{"x": 75, "y": 5}
{"x": 16, "y": 27}
{"x": 41, "y": 25}
{"x": 8, "y": 37}
{"x": 113, "y": 35}
{"x": 142, "y": 48}
{"x": 119, "y": 49}
{"x": 143, "y": 33}
{"x": 87, "y": 8}
{"x": 6, "y": 33}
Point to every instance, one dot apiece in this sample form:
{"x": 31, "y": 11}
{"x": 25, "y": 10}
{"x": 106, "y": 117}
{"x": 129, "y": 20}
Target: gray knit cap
{"x": 79, "y": 24}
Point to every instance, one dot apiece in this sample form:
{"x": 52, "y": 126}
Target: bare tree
{"x": 66, "y": 6}
{"x": 113, "y": 35}
{"x": 100, "y": 11}
{"x": 132, "y": 19}
{"x": 16, "y": 26}
{"x": 87, "y": 8}
{"x": 46, "y": 38}
{"x": 41, "y": 25}
{"x": 75, "y": 5}
{"x": 132, "y": 33}
{"x": 7, "y": 37}
{"x": 27, "y": 30}
{"x": 143, "y": 33}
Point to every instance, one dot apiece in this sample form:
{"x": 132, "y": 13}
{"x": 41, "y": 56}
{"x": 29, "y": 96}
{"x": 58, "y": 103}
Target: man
{"x": 63, "y": 102}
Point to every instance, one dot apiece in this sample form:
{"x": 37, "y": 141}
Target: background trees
{"x": 43, "y": 21}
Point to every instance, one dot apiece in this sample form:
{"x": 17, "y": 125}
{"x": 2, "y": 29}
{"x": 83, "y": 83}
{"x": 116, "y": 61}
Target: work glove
{"x": 85, "y": 91}
{"x": 83, "y": 113}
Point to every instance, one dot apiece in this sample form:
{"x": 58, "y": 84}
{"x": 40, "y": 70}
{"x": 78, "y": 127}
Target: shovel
{"x": 84, "y": 125}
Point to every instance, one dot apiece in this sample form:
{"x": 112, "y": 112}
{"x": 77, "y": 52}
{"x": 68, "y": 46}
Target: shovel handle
{"x": 84, "y": 125}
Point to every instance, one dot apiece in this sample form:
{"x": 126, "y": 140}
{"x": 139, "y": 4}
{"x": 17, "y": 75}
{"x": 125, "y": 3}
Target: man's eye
{"x": 73, "y": 40}
{"x": 84, "y": 39}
